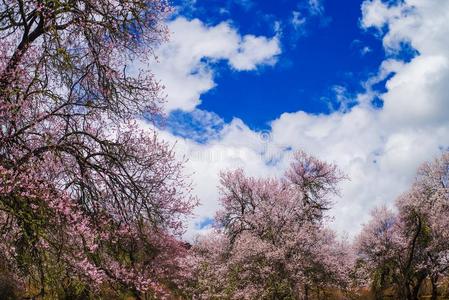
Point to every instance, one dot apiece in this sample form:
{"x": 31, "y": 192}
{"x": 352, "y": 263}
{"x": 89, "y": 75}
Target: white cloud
{"x": 365, "y": 50}
{"x": 379, "y": 148}
{"x": 238, "y": 146}
{"x": 254, "y": 51}
{"x": 307, "y": 12}
{"x": 377, "y": 13}
{"x": 185, "y": 61}
{"x": 298, "y": 21}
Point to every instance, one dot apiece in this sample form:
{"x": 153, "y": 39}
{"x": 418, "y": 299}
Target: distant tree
{"x": 271, "y": 241}
{"x": 382, "y": 252}
{"x": 425, "y": 210}
{"x": 404, "y": 249}
{"x": 87, "y": 198}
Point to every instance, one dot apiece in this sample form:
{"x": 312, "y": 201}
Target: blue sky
{"x": 362, "y": 84}
{"x": 329, "y": 50}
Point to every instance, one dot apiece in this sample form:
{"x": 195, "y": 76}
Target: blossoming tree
{"x": 271, "y": 242}
{"x": 87, "y": 197}
{"x": 404, "y": 249}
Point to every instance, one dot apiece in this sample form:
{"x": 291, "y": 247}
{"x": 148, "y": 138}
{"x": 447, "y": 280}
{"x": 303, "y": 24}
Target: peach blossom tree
{"x": 403, "y": 249}
{"x": 271, "y": 241}
{"x": 88, "y": 198}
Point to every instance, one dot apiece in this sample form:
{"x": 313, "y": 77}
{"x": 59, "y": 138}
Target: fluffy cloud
{"x": 185, "y": 61}
{"x": 379, "y": 148}
{"x": 377, "y": 13}
{"x": 236, "y": 146}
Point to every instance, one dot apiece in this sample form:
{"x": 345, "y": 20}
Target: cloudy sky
{"x": 363, "y": 84}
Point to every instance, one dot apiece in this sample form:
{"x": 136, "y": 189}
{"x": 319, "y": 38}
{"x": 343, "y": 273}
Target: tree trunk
{"x": 434, "y": 281}
{"x": 306, "y": 292}
{"x": 408, "y": 293}
{"x": 417, "y": 286}
{"x": 415, "y": 291}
